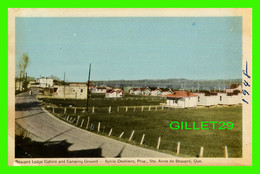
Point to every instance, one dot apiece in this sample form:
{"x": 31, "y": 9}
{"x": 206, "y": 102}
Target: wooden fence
{"x": 85, "y": 123}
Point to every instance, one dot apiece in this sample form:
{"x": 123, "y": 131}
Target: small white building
{"x": 210, "y": 99}
{"x": 166, "y": 91}
{"x": 207, "y": 99}
{"x": 98, "y": 90}
{"x": 156, "y": 91}
{"x": 146, "y": 91}
{"x": 114, "y": 93}
{"x": 230, "y": 98}
{"x": 181, "y": 99}
{"x": 77, "y": 91}
{"x": 135, "y": 91}
{"x": 44, "y": 82}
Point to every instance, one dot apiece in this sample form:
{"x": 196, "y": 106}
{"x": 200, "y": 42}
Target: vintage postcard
{"x": 130, "y": 87}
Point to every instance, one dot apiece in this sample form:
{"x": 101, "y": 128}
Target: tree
{"x": 22, "y": 66}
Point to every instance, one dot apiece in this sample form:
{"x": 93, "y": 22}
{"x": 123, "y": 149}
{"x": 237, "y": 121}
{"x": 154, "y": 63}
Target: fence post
{"x": 65, "y": 109}
{"x": 75, "y": 110}
{"x": 142, "y": 140}
{"x": 98, "y": 129}
{"x": 121, "y": 134}
{"x": 130, "y": 138}
{"x": 103, "y": 131}
{"x": 201, "y": 151}
{"x": 159, "y": 142}
{"x": 93, "y": 109}
{"x": 126, "y": 108}
{"x": 156, "y": 108}
{"x": 149, "y": 108}
{"x": 117, "y": 108}
{"x": 77, "y": 120}
{"x": 134, "y": 109}
{"x": 87, "y": 123}
{"x": 53, "y": 110}
{"x": 178, "y": 148}
{"x": 226, "y": 152}
{"x": 67, "y": 118}
{"x": 82, "y": 122}
{"x": 110, "y": 132}
{"x": 109, "y": 109}
{"x": 91, "y": 127}
{"x": 162, "y": 108}
{"x": 142, "y": 108}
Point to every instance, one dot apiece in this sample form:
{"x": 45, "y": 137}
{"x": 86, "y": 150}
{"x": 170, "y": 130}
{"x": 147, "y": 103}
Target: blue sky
{"x": 132, "y": 48}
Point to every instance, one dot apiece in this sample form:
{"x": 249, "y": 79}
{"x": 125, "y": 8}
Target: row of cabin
{"x": 150, "y": 91}
{"x": 108, "y": 91}
{"x": 77, "y": 91}
{"x": 186, "y": 99}
{"x": 114, "y": 93}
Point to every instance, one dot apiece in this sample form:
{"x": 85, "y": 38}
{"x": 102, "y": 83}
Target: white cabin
{"x": 181, "y": 99}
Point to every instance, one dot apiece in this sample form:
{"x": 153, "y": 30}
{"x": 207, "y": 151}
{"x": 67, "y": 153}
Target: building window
{"x": 198, "y": 99}
{"x": 220, "y": 98}
{"x": 81, "y": 90}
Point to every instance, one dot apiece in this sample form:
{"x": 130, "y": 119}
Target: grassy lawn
{"x": 156, "y": 124}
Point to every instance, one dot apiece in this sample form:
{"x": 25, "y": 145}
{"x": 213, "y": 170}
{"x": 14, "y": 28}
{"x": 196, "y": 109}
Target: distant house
{"x": 98, "y": 90}
{"x": 146, "y": 91}
{"x": 234, "y": 87}
{"x": 44, "y": 82}
{"x": 181, "y": 99}
{"x": 73, "y": 90}
{"x": 166, "y": 91}
{"x": 135, "y": 91}
{"x": 156, "y": 91}
{"x": 111, "y": 93}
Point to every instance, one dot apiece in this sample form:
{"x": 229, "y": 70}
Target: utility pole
{"x": 88, "y": 85}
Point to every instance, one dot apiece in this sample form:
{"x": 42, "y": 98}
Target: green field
{"x": 156, "y": 123}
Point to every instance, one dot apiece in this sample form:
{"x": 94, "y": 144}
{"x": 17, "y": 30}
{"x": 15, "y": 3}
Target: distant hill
{"x": 172, "y": 83}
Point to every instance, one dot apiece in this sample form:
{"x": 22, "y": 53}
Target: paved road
{"x": 46, "y": 128}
